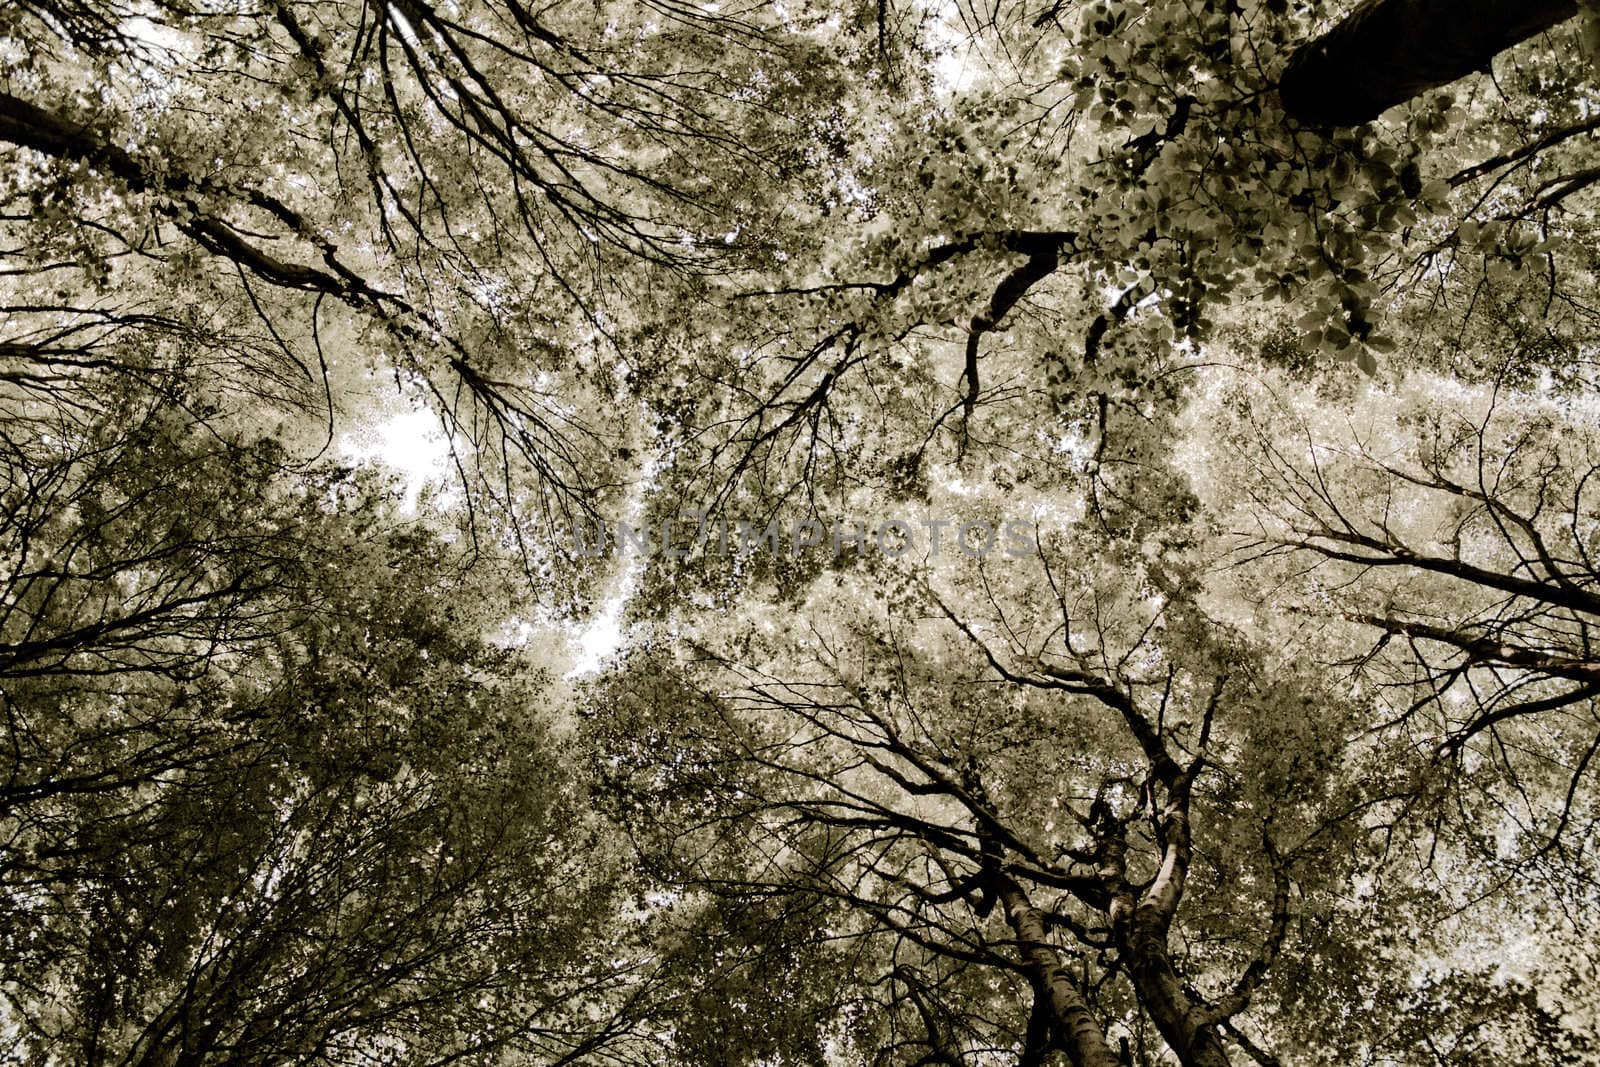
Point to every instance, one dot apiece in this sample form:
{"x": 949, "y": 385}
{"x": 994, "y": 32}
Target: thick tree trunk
{"x": 1194, "y": 1040}
{"x": 1075, "y": 1027}
{"x": 1142, "y": 928}
{"x": 1387, "y": 51}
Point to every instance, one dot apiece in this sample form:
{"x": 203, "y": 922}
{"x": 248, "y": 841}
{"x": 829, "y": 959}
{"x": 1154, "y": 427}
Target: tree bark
{"x": 1079, "y": 1035}
{"x": 1179, "y": 1020}
{"x": 1142, "y": 928}
{"x": 1387, "y": 51}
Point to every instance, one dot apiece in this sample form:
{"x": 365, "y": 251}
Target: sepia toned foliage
{"x": 1256, "y": 335}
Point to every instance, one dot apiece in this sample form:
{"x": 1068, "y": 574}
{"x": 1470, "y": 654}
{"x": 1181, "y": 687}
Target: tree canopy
{"x": 1038, "y": 534}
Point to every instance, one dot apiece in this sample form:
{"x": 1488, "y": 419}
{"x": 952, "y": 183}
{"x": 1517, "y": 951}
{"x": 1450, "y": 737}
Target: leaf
{"x": 1436, "y": 192}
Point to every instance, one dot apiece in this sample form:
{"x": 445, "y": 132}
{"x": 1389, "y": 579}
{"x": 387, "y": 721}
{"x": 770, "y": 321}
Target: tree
{"x": 1484, "y": 535}
{"x": 1386, "y": 52}
{"x": 1453, "y": 546}
{"x": 1037, "y": 807}
{"x": 419, "y": 127}
{"x": 238, "y": 819}
{"x": 1118, "y": 186}
{"x": 1144, "y": 789}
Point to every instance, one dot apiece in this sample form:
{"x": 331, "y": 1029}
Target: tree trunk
{"x": 1195, "y": 1041}
{"x": 1142, "y": 929}
{"x": 1075, "y": 1027}
{"x": 1387, "y": 51}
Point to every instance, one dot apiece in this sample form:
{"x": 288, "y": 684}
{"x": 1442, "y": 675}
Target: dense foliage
{"x": 969, "y": 535}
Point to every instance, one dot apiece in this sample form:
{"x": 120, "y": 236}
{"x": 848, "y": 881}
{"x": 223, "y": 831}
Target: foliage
{"x": 1271, "y": 735}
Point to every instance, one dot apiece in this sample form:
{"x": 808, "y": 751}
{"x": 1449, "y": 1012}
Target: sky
{"x": 409, "y": 441}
